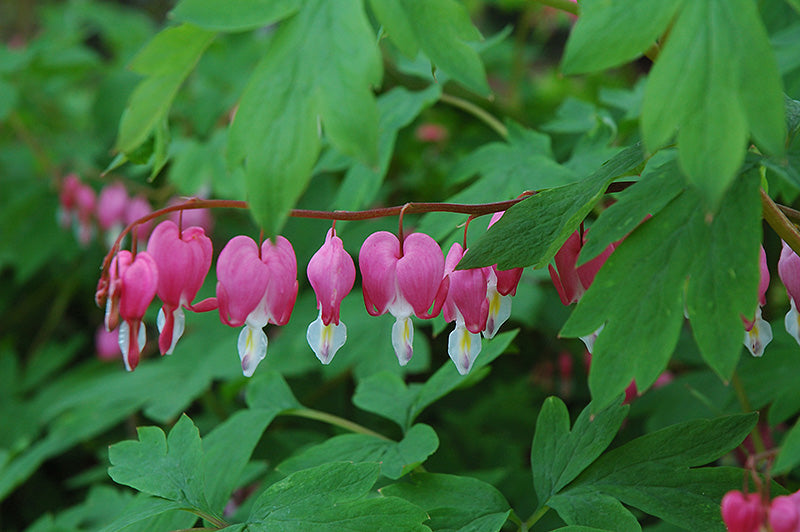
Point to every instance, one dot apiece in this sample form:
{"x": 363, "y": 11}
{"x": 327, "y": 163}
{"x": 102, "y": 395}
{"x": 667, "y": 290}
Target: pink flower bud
{"x": 789, "y": 272}
{"x": 742, "y": 513}
{"x": 570, "y": 281}
{"x": 183, "y": 260}
{"x": 758, "y": 332}
{"x": 430, "y": 132}
{"x": 111, "y": 206}
{"x": 784, "y": 515}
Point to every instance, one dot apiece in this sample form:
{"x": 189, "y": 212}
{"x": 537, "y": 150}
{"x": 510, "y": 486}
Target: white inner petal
{"x": 590, "y": 339}
{"x": 757, "y": 338}
{"x": 499, "y": 312}
{"x": 177, "y": 328}
{"x": 403, "y": 339}
{"x": 463, "y": 347}
{"x": 326, "y": 340}
{"x": 252, "y": 347}
{"x": 791, "y": 322}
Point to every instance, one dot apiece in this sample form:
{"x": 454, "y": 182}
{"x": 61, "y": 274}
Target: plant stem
{"x": 514, "y": 518}
{"x": 477, "y": 112}
{"x": 333, "y": 420}
{"x": 536, "y": 516}
{"x": 563, "y": 5}
{"x": 741, "y": 395}
{"x": 776, "y": 218}
{"x": 216, "y": 521}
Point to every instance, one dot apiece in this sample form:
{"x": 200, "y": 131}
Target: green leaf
{"x": 397, "y": 108}
{"x": 661, "y": 181}
{"x": 387, "y": 395}
{"x": 642, "y": 313}
{"x": 233, "y": 15}
{"x": 318, "y": 70}
{"x": 227, "y": 451}
{"x": 141, "y": 509}
{"x": 396, "y": 458}
{"x": 166, "y": 61}
{"x": 9, "y": 95}
{"x": 789, "y": 456}
{"x": 454, "y": 502}
{"x": 558, "y": 455}
{"x": 531, "y": 232}
{"x": 715, "y": 81}
{"x": 625, "y": 28}
{"x": 332, "y": 497}
{"x": 441, "y": 29}
{"x": 268, "y": 390}
{"x": 723, "y": 283}
{"x": 652, "y": 472}
{"x": 161, "y": 466}
{"x": 588, "y": 507}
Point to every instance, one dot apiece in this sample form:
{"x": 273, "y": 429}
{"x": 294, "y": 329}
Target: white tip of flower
{"x": 757, "y": 338}
{"x": 403, "y": 339}
{"x": 463, "y": 348}
{"x": 124, "y": 340}
{"x": 326, "y": 340}
{"x": 590, "y": 339}
{"x": 252, "y": 347}
{"x": 177, "y": 328}
{"x": 792, "y": 321}
{"x": 499, "y": 312}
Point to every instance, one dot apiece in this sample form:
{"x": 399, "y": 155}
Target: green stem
{"x": 216, "y": 521}
{"x": 333, "y": 420}
{"x": 741, "y": 395}
{"x": 775, "y": 216}
{"x": 514, "y": 518}
{"x": 477, "y": 112}
{"x": 563, "y": 5}
{"x": 536, "y": 516}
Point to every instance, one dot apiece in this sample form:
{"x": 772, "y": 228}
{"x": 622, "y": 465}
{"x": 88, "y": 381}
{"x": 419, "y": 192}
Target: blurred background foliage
{"x": 63, "y": 87}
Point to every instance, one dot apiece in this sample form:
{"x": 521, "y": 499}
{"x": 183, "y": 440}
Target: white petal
{"x": 252, "y": 347}
{"x": 499, "y": 312}
{"x": 402, "y": 339}
{"x": 792, "y": 321}
{"x": 177, "y": 328}
{"x": 590, "y": 339}
{"x": 123, "y": 339}
{"x": 757, "y": 338}
{"x": 463, "y": 348}
{"x": 326, "y": 340}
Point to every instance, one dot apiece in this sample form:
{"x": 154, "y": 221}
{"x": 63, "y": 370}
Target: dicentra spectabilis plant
{"x": 500, "y": 193}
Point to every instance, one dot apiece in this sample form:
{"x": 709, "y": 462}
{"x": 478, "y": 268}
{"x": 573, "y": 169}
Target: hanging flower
{"x": 331, "y": 272}
{"x": 758, "y": 333}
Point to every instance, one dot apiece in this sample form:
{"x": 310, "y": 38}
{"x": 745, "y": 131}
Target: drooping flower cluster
{"x": 257, "y": 285}
{"x": 752, "y": 512}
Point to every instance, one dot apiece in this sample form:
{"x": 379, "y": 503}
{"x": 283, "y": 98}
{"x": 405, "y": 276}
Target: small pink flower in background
{"x": 332, "y": 273}
{"x": 789, "y": 272}
{"x": 191, "y": 217}
{"x": 139, "y": 207}
{"x": 132, "y": 286}
{"x": 502, "y": 284}
{"x": 742, "y": 513}
{"x": 111, "y": 207}
{"x": 572, "y": 281}
{"x": 758, "y": 333}
{"x": 77, "y": 207}
{"x": 402, "y": 284}
{"x": 106, "y": 343}
{"x": 430, "y": 132}
{"x": 468, "y": 306}
{"x": 66, "y": 199}
{"x": 183, "y": 259}
{"x": 255, "y": 287}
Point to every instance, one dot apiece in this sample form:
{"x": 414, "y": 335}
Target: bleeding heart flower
{"x": 502, "y": 284}
{"x": 132, "y": 286}
{"x": 255, "y": 287}
{"x": 742, "y": 513}
{"x": 332, "y": 273}
{"x": 111, "y": 207}
{"x": 402, "y": 283}
{"x": 758, "y": 333}
{"x": 468, "y": 305}
{"x": 789, "y": 272}
{"x": 183, "y": 259}
{"x": 139, "y": 207}
{"x": 784, "y": 516}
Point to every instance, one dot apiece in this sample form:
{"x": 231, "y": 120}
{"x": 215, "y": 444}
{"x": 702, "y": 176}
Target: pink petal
{"x": 281, "y": 291}
{"x": 569, "y": 285}
{"x": 111, "y": 205}
{"x": 789, "y": 271}
{"x": 137, "y": 281}
{"x": 377, "y": 260}
{"x": 241, "y": 280}
{"x": 183, "y": 261}
{"x": 742, "y": 513}
{"x": 332, "y": 273}
{"x": 467, "y": 292}
{"x": 420, "y": 271}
